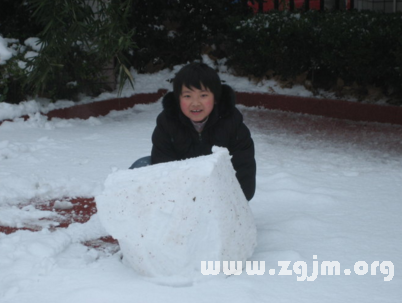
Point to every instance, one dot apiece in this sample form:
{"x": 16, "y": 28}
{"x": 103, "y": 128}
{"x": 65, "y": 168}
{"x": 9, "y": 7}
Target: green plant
{"x": 362, "y": 49}
{"x": 282, "y": 42}
{"x": 16, "y": 20}
{"x": 13, "y": 74}
{"x": 357, "y": 46}
{"x": 78, "y": 40}
{"x": 175, "y": 32}
{"x": 295, "y": 45}
{"x": 252, "y": 41}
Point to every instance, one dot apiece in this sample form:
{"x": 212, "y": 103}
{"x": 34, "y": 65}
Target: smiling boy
{"x": 196, "y": 104}
{"x": 201, "y": 113}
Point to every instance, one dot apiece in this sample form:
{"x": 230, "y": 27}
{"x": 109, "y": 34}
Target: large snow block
{"x": 169, "y": 217}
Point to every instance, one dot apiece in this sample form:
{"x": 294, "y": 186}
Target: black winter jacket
{"x": 175, "y": 137}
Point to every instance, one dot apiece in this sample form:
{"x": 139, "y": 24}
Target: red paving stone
{"x": 81, "y": 211}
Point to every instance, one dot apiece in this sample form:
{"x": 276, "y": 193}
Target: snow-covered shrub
{"x": 175, "y": 32}
{"x": 362, "y": 49}
{"x": 281, "y": 42}
{"x": 13, "y": 60}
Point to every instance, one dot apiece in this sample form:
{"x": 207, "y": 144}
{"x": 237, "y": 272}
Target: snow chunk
{"x": 12, "y": 111}
{"x": 169, "y": 217}
{"x": 5, "y": 52}
{"x": 63, "y": 205}
{"x": 34, "y": 43}
{"x": 30, "y": 54}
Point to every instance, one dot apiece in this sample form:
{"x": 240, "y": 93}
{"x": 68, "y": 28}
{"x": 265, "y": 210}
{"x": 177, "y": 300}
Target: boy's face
{"x": 196, "y": 104}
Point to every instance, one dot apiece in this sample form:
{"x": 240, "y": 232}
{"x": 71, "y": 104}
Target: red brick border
{"x": 102, "y": 108}
{"x": 323, "y": 107}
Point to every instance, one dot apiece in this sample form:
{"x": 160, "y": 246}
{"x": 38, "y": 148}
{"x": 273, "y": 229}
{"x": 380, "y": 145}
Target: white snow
{"x": 170, "y": 217}
{"x": 34, "y": 43}
{"x": 5, "y": 52}
{"x": 326, "y": 188}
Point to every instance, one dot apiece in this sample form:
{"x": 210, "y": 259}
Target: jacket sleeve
{"x": 243, "y": 160}
{"x": 162, "y": 146}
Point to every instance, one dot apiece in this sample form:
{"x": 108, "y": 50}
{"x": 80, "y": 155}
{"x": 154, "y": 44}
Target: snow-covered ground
{"x": 327, "y": 190}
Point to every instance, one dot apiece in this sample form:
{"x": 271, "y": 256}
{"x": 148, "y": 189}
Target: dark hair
{"x": 197, "y": 75}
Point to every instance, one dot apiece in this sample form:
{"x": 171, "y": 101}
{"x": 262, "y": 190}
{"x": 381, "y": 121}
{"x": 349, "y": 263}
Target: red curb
{"x": 99, "y": 108}
{"x": 25, "y": 117}
{"x": 102, "y": 108}
{"x": 324, "y": 107}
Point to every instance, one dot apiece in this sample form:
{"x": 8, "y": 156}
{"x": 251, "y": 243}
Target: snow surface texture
{"x": 171, "y": 216}
{"x": 325, "y": 187}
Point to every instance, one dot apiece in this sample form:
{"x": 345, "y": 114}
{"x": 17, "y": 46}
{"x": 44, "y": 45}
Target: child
{"x": 201, "y": 113}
